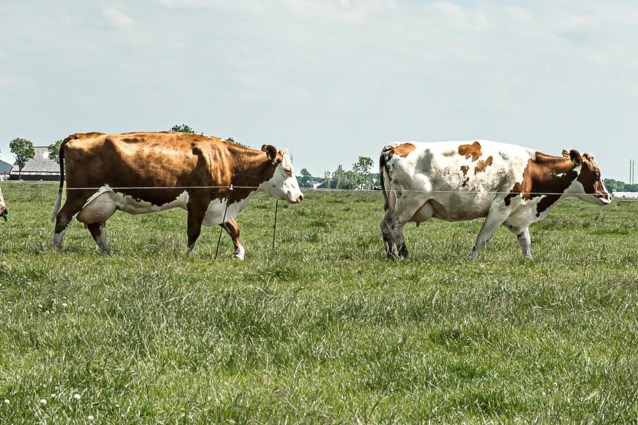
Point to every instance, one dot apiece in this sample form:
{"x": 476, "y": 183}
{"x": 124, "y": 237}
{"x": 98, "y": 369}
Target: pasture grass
{"x": 323, "y": 328}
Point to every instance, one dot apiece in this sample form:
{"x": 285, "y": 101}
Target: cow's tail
{"x": 58, "y": 201}
{"x": 383, "y": 173}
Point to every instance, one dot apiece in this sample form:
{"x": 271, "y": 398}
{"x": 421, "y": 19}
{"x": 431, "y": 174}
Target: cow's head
{"x": 283, "y": 183}
{"x": 588, "y": 186}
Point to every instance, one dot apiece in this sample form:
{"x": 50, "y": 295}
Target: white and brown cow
{"x": 508, "y": 185}
{"x": 3, "y": 207}
{"x": 212, "y": 179}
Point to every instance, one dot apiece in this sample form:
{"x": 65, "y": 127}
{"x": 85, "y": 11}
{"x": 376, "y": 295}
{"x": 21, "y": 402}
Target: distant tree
{"x": 182, "y": 128}
{"x": 23, "y": 150}
{"x": 362, "y": 169}
{"x": 305, "y": 178}
{"x": 620, "y": 186}
{"x": 230, "y": 139}
{"x": 54, "y": 150}
{"x": 337, "y": 177}
{"x": 327, "y": 179}
{"x": 363, "y": 165}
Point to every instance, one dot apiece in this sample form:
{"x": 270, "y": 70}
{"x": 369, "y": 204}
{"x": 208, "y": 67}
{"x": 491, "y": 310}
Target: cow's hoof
{"x": 393, "y": 256}
{"x": 239, "y": 253}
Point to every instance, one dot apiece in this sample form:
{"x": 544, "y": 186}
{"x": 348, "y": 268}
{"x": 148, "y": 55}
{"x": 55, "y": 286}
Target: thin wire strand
{"x": 469, "y": 192}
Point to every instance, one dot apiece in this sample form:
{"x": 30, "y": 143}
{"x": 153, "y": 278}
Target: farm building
{"x": 5, "y": 169}
{"x": 625, "y": 195}
{"x": 40, "y": 167}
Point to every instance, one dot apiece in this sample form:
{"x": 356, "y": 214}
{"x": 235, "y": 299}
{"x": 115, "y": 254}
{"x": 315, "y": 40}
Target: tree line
{"x": 359, "y": 177}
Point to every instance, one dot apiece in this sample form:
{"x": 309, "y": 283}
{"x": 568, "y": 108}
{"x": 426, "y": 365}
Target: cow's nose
{"x": 299, "y": 198}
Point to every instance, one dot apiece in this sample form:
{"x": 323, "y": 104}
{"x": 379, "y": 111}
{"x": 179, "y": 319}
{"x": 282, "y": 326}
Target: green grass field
{"x": 323, "y": 328}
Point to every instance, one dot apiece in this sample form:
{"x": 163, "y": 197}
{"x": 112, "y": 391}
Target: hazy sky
{"x": 329, "y": 79}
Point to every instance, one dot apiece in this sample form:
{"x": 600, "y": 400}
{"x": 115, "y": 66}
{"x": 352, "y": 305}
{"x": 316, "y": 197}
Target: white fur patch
{"x": 217, "y": 208}
{"x": 127, "y": 203}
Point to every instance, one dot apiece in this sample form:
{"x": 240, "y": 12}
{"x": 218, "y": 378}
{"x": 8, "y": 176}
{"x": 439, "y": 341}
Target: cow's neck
{"x": 551, "y": 177}
{"x": 250, "y": 169}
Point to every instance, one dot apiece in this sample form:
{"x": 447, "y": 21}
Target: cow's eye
{"x": 288, "y": 171}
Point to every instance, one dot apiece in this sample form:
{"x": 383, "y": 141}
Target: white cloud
{"x": 118, "y": 18}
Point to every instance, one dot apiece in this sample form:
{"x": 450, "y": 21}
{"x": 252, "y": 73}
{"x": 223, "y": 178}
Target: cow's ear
{"x": 565, "y": 153}
{"x": 271, "y": 152}
{"x": 575, "y": 157}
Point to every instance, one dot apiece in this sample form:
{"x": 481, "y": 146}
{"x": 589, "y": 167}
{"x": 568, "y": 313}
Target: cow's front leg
{"x": 494, "y": 219}
{"x": 232, "y": 228}
{"x": 525, "y": 241}
{"x": 196, "y": 213}
{"x": 522, "y": 234}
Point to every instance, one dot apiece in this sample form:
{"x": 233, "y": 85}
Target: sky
{"x": 331, "y": 80}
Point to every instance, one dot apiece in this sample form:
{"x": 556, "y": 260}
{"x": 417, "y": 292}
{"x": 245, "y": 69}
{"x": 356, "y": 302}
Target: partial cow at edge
{"x": 453, "y": 181}
{"x": 3, "y": 207}
{"x": 211, "y": 178}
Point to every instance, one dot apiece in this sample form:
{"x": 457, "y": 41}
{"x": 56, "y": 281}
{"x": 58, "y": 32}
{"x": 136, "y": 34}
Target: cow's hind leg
{"x": 94, "y": 216}
{"x": 405, "y": 210}
{"x": 232, "y": 228}
{"x": 64, "y": 217}
{"x": 388, "y": 239}
{"x": 494, "y": 219}
{"x": 196, "y": 214}
{"x": 97, "y": 231}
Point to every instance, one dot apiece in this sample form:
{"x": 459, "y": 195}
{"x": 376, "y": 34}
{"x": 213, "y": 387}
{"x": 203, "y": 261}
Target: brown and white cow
{"x": 139, "y": 173}
{"x": 508, "y": 185}
{"x": 3, "y": 207}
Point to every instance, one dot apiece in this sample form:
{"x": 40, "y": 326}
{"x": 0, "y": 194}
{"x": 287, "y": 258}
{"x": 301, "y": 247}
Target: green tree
{"x": 362, "y": 168}
{"x": 230, "y": 139}
{"x": 305, "y": 178}
{"x": 54, "y": 150}
{"x": 23, "y": 150}
{"x": 327, "y": 179}
{"x": 182, "y": 128}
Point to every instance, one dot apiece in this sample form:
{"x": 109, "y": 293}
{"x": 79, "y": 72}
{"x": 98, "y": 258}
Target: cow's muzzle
{"x": 604, "y": 198}
{"x": 292, "y": 199}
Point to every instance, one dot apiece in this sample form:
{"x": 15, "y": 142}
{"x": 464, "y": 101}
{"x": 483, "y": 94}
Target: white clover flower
{"x": 77, "y": 396}
{"x": 91, "y": 417}
{"x": 6, "y": 401}
{"x": 43, "y": 402}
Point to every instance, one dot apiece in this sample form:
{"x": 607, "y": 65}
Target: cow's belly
{"x": 99, "y": 207}
{"x": 460, "y": 206}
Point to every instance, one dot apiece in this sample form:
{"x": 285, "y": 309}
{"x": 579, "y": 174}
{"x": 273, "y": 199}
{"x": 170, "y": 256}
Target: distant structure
{"x": 632, "y": 171}
{"x": 40, "y": 167}
{"x": 625, "y": 195}
{"x": 5, "y": 169}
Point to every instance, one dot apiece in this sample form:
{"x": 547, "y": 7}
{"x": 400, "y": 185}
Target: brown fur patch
{"x": 482, "y": 165}
{"x": 466, "y": 179}
{"x": 403, "y": 149}
{"x": 547, "y": 175}
{"x": 473, "y": 150}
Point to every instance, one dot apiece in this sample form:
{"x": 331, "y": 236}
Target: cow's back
{"x": 141, "y": 159}
{"x": 461, "y": 178}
